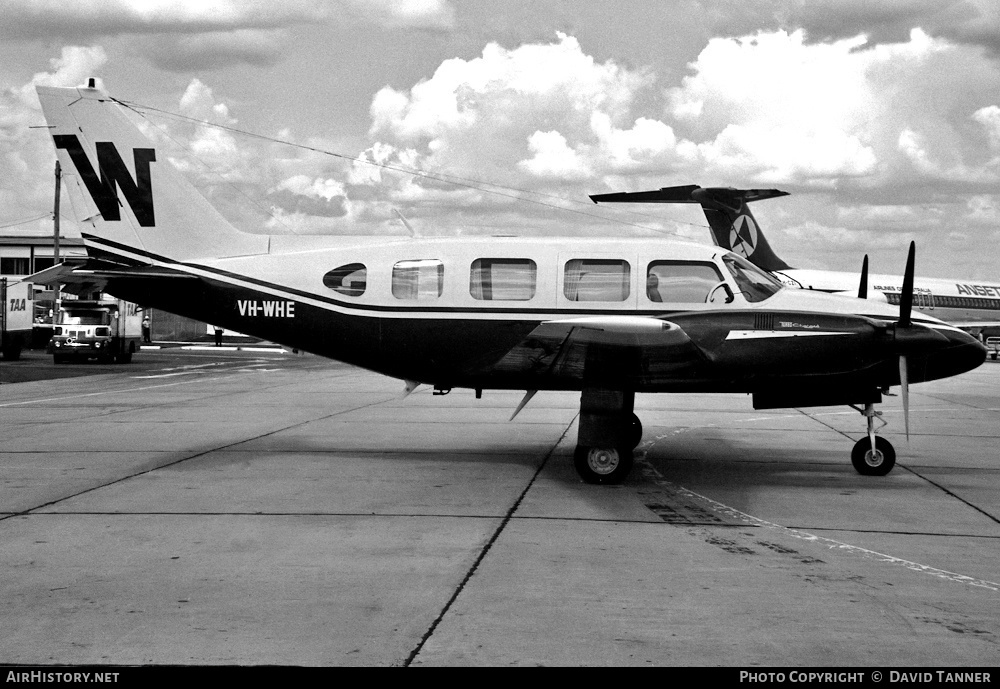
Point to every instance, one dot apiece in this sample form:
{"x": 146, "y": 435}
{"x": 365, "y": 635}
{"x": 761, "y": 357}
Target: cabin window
{"x": 419, "y": 279}
{"x": 588, "y": 279}
{"x": 685, "y": 282}
{"x": 349, "y": 280}
{"x": 503, "y": 279}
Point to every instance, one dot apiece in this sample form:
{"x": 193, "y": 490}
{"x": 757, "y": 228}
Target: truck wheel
{"x": 12, "y": 352}
{"x": 126, "y": 357}
{"x": 59, "y": 359}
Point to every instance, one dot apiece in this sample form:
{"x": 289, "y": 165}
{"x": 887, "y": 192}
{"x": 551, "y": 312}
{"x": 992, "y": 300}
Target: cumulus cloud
{"x": 547, "y": 110}
{"x": 775, "y": 108}
{"x": 552, "y": 157}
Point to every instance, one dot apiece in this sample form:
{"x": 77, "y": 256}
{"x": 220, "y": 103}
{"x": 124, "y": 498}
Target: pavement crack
{"x": 486, "y": 549}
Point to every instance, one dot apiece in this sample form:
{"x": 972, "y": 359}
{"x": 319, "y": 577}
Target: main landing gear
{"x": 609, "y": 432}
{"x": 873, "y": 455}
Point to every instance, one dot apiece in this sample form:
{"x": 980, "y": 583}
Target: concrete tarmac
{"x": 281, "y": 509}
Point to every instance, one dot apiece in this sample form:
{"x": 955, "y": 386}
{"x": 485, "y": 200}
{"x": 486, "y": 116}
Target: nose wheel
{"x": 873, "y": 455}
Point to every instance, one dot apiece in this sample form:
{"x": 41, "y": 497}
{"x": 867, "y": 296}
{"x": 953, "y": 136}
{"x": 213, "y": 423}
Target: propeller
{"x": 863, "y": 287}
{"x": 910, "y": 337}
{"x": 906, "y": 297}
{"x": 905, "y": 322}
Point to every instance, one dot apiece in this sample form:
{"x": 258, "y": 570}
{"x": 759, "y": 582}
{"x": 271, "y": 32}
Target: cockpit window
{"x": 681, "y": 281}
{"x": 754, "y": 284}
{"x": 350, "y": 280}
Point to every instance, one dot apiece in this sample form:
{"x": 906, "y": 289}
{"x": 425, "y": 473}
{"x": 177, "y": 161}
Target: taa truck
{"x": 16, "y": 317}
{"x": 106, "y": 329}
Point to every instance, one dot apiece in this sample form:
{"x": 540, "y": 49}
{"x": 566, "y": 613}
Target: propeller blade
{"x": 863, "y": 287}
{"x": 528, "y": 394}
{"x": 906, "y": 297}
{"x": 904, "y": 385}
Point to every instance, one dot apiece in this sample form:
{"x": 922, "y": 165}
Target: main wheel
{"x": 603, "y": 465}
{"x": 633, "y": 430}
{"x": 877, "y": 463}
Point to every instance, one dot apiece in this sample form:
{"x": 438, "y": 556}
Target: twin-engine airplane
{"x": 972, "y": 305}
{"x": 608, "y": 317}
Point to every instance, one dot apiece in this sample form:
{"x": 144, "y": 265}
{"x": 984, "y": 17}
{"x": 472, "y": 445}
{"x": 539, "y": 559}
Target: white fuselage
{"x": 968, "y": 304}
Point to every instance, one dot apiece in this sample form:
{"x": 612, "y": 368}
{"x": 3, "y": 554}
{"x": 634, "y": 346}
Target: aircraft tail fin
{"x": 733, "y": 226}
{"x": 132, "y": 204}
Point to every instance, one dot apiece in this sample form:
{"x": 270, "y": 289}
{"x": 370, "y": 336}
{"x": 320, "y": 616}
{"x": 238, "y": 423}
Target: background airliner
{"x": 972, "y": 305}
{"x": 608, "y": 317}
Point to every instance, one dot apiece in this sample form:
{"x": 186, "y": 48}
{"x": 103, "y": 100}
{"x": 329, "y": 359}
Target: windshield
{"x": 754, "y": 283}
{"x": 84, "y": 317}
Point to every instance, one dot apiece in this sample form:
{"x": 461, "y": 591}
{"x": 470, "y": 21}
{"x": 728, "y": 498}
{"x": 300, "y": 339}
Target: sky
{"x": 473, "y": 117}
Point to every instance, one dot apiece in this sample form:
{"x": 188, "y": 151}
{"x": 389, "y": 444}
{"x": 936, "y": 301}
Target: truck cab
{"x": 108, "y": 330}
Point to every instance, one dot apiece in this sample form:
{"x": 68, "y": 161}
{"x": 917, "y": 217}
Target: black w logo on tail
{"x": 114, "y": 175}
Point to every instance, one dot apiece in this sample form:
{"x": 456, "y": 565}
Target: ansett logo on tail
{"x": 114, "y": 175}
{"x": 743, "y": 236}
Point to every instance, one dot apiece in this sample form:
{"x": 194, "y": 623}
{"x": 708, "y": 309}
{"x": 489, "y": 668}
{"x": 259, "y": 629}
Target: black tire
{"x": 602, "y": 465}
{"x": 12, "y": 352}
{"x": 59, "y": 359}
{"x": 878, "y": 464}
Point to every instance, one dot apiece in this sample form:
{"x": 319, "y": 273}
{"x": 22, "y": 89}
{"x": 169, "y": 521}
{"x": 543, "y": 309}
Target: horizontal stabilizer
{"x": 692, "y": 193}
{"x": 92, "y": 275}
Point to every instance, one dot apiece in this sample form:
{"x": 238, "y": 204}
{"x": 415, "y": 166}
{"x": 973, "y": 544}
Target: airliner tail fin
{"x": 733, "y": 225}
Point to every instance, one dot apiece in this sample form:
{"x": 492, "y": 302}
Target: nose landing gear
{"x": 873, "y": 455}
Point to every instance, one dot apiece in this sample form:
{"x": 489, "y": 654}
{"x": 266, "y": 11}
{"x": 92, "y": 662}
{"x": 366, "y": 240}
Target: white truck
{"x": 108, "y": 329}
{"x": 16, "y": 317}
{"x": 993, "y": 346}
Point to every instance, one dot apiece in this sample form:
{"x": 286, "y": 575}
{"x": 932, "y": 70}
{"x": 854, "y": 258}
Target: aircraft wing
{"x": 619, "y": 347}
